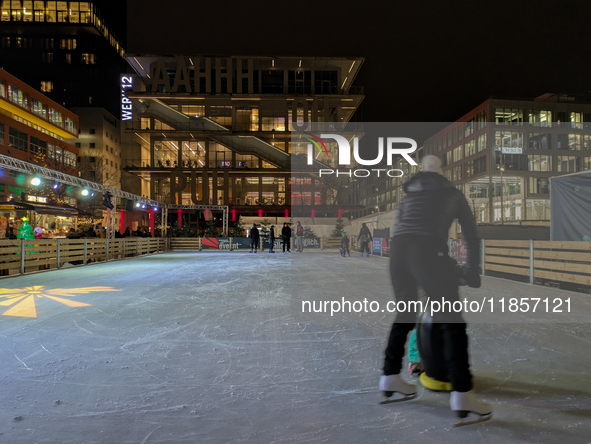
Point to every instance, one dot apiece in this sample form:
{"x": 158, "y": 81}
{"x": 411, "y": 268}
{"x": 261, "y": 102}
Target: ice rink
{"x": 197, "y": 347}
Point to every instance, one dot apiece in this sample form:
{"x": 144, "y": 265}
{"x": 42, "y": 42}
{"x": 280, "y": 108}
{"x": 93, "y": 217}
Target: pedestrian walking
{"x": 286, "y": 237}
{"x": 300, "y": 237}
{"x": 364, "y": 239}
{"x": 420, "y": 258}
{"x": 254, "y": 238}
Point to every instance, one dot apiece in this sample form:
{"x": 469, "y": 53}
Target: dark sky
{"x": 424, "y": 61}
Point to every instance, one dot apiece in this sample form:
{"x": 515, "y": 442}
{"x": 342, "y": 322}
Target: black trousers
{"x": 365, "y": 247}
{"x": 418, "y": 260}
{"x": 286, "y": 242}
{"x": 254, "y": 244}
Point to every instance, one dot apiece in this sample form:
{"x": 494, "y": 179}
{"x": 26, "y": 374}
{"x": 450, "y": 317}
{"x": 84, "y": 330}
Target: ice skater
{"x": 254, "y": 238}
{"x": 286, "y": 237}
{"x": 345, "y": 245}
{"x": 364, "y": 239}
{"x": 422, "y": 221}
{"x": 299, "y": 237}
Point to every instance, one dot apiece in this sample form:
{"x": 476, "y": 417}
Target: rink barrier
{"x": 243, "y": 243}
{"x": 537, "y": 262}
{"x": 22, "y": 256}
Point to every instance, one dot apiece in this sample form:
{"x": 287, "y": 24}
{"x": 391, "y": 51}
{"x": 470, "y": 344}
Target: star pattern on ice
{"x": 577, "y": 189}
{"x": 586, "y": 238}
{"x": 22, "y": 300}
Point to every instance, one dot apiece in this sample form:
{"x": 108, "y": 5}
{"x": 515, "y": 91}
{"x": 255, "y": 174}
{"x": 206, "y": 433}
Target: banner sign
{"x": 458, "y": 251}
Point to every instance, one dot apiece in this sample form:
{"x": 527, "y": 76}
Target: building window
{"x": 78, "y": 145}
{"x": 70, "y": 159}
{"x": 17, "y": 139}
{"x": 273, "y": 123}
{"x": 55, "y": 117}
{"x": 47, "y": 57}
{"x": 221, "y": 114}
{"x": 508, "y": 141}
{"x": 70, "y": 125}
{"x": 88, "y": 59}
{"x": 91, "y": 131}
{"x": 37, "y": 146}
{"x": 568, "y": 142}
{"x": 540, "y": 141}
{"x": 586, "y": 160}
{"x": 540, "y": 118}
{"x": 2, "y": 135}
{"x": 469, "y": 148}
{"x": 17, "y": 96}
{"x": 46, "y": 86}
{"x": 539, "y": 185}
{"x": 568, "y": 164}
{"x": 189, "y": 110}
{"x": 69, "y": 44}
{"x": 69, "y": 59}
{"x": 539, "y": 163}
{"x": 457, "y": 153}
{"x": 107, "y": 162}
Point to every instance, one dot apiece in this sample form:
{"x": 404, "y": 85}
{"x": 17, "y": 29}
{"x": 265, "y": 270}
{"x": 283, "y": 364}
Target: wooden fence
{"x": 24, "y": 256}
{"x": 540, "y": 261}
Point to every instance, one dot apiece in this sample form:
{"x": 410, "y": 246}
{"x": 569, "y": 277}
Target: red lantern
{"x": 286, "y": 213}
{"x": 340, "y": 212}
{"x": 260, "y": 212}
{"x": 313, "y": 214}
{"x": 233, "y": 215}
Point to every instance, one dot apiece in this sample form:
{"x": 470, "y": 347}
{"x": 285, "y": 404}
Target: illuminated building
{"x": 223, "y": 123}
{"x": 501, "y": 155}
{"x": 71, "y": 51}
{"x": 35, "y": 129}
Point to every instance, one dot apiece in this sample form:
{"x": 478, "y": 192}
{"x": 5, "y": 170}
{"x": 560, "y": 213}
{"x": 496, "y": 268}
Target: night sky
{"x": 425, "y": 61}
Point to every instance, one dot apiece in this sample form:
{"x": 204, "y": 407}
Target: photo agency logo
{"x": 394, "y": 146}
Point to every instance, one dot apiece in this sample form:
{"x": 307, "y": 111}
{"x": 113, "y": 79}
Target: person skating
{"x": 286, "y": 237}
{"x": 364, "y": 239}
{"x": 422, "y": 221}
{"x": 345, "y": 245}
{"x": 299, "y": 237}
{"x": 271, "y": 238}
{"x": 254, "y": 238}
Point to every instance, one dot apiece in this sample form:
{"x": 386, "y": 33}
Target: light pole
{"x": 502, "y": 215}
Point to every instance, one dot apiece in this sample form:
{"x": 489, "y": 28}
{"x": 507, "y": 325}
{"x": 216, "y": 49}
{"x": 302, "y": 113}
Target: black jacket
{"x": 271, "y": 234}
{"x": 254, "y": 234}
{"x": 285, "y": 232}
{"x": 364, "y": 230}
{"x": 430, "y": 206}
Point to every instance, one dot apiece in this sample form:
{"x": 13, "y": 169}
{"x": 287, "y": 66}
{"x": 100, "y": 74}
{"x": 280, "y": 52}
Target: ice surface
{"x": 213, "y": 348}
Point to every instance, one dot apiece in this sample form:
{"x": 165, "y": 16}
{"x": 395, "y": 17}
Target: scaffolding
{"x": 57, "y": 176}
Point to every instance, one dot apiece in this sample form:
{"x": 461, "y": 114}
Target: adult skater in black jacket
{"x": 254, "y": 238}
{"x": 286, "y": 236}
{"x": 420, "y": 257}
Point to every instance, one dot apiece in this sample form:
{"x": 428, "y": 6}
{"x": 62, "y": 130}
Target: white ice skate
{"x": 395, "y": 384}
{"x": 464, "y": 403}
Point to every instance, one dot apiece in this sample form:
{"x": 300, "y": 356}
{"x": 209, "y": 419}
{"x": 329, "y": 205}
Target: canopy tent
{"x": 570, "y": 207}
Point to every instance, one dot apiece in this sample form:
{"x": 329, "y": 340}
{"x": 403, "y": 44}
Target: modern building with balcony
{"x": 216, "y": 130}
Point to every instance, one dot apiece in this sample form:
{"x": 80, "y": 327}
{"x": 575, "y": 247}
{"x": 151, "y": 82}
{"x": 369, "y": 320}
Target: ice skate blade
{"x": 390, "y": 400}
{"x": 481, "y": 418}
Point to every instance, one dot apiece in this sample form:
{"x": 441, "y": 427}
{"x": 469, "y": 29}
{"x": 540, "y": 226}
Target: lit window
{"x": 46, "y": 86}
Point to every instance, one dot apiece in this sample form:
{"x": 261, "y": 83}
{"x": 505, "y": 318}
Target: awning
{"x": 16, "y": 206}
{"x": 52, "y": 209}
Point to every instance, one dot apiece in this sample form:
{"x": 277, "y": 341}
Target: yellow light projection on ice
{"x": 22, "y": 300}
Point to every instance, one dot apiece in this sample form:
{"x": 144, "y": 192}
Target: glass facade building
{"x": 223, "y": 125}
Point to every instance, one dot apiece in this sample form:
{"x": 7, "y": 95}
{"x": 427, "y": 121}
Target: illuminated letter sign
{"x": 126, "y": 105}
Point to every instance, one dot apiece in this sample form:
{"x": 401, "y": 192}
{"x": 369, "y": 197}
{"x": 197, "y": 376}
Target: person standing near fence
{"x": 364, "y": 239}
{"x": 300, "y": 237}
{"x": 286, "y": 237}
{"x": 254, "y": 238}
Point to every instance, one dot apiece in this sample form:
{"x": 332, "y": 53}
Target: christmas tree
{"x": 338, "y": 229}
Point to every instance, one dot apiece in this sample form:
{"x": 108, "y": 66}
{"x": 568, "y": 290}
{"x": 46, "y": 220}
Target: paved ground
{"x": 214, "y": 348}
